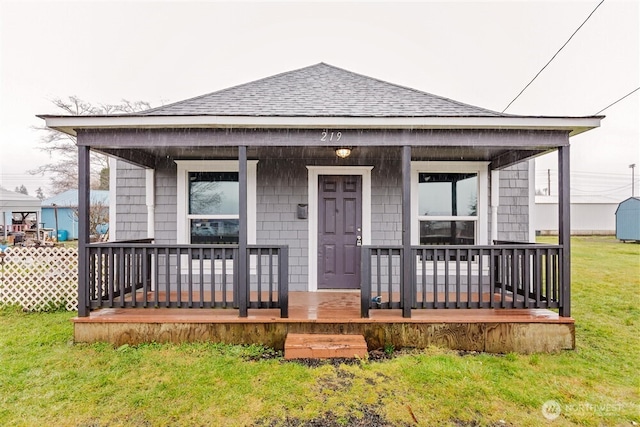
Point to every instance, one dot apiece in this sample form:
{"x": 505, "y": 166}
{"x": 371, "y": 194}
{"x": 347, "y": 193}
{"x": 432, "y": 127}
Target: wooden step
{"x": 319, "y": 346}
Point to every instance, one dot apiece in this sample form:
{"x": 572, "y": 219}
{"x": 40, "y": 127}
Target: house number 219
{"x": 330, "y": 136}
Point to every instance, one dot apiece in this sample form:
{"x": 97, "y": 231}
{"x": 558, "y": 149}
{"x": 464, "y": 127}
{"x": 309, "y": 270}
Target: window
{"x": 449, "y": 202}
{"x": 214, "y": 207}
{"x": 208, "y": 202}
{"x": 447, "y": 208}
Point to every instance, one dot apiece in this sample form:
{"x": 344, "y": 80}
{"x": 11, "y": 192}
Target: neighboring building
{"x": 628, "y": 220}
{"x": 334, "y": 174}
{"x": 15, "y": 208}
{"x": 590, "y": 215}
{"x": 65, "y": 205}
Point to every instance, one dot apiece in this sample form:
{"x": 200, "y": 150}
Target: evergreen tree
{"x": 22, "y": 190}
{"x": 40, "y": 194}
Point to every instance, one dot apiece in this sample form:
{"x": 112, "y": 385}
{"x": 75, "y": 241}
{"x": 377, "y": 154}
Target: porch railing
{"x": 140, "y": 274}
{"x": 503, "y": 276}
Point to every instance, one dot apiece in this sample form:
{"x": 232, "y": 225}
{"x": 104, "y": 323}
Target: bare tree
{"x": 98, "y": 215}
{"x": 62, "y": 170}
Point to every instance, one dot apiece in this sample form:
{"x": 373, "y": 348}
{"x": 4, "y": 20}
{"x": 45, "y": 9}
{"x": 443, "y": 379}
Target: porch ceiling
{"x": 153, "y": 148}
{"x": 156, "y": 156}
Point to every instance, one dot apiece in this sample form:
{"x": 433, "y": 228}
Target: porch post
{"x": 407, "y": 274}
{"x": 564, "y": 228}
{"x": 84, "y": 164}
{"x": 243, "y": 291}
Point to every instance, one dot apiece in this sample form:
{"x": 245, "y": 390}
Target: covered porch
{"x": 499, "y": 296}
{"x": 409, "y": 276}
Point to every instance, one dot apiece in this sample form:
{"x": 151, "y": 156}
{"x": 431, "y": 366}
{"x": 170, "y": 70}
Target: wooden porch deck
{"x": 490, "y": 330}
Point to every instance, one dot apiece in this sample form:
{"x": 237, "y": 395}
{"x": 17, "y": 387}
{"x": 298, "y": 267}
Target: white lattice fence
{"x": 39, "y": 278}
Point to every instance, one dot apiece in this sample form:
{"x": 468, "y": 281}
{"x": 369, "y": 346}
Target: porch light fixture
{"x": 343, "y": 152}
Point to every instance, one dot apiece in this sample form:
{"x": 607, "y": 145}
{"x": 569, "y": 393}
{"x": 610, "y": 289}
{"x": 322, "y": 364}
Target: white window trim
{"x": 481, "y": 168}
{"x": 150, "y": 184}
{"x": 113, "y": 189}
{"x": 314, "y": 173}
{"x": 186, "y": 166}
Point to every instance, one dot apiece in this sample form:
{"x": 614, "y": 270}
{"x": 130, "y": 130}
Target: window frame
{"x": 481, "y": 168}
{"x": 183, "y": 220}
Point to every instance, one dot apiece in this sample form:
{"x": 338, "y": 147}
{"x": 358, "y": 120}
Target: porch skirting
{"x": 483, "y": 330}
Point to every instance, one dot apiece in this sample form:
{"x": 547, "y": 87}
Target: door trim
{"x": 314, "y": 173}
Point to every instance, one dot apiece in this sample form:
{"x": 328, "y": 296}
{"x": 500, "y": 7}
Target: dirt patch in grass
{"x": 368, "y": 417}
{"x": 459, "y": 423}
{"x": 378, "y": 355}
{"x": 315, "y": 363}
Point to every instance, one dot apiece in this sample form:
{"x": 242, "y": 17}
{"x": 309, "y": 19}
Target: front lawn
{"x": 46, "y": 380}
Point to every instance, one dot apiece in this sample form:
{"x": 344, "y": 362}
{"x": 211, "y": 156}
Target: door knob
{"x": 358, "y": 240}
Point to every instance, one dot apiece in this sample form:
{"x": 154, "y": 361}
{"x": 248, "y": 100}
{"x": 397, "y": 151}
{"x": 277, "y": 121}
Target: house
{"x": 60, "y": 211}
{"x": 16, "y": 209}
{"x": 590, "y": 215}
{"x": 258, "y": 197}
{"x": 628, "y": 220}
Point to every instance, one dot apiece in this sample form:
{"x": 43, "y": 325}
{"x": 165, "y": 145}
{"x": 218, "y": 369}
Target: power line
{"x": 608, "y": 190}
{"x": 599, "y": 175}
{"x": 576, "y": 172}
{"x": 594, "y": 180}
{"x": 553, "y": 57}
{"x": 614, "y": 103}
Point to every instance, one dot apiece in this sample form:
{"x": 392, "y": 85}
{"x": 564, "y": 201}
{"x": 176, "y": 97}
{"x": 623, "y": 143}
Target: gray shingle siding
{"x": 131, "y": 209}
{"x": 386, "y": 204}
{"x": 513, "y": 212}
{"x": 281, "y": 186}
{"x": 166, "y": 205}
{"x": 131, "y": 203}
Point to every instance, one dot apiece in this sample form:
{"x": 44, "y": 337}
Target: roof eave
{"x": 69, "y": 124}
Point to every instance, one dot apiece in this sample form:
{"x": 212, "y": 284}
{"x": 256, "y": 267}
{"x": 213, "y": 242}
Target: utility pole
{"x": 633, "y": 180}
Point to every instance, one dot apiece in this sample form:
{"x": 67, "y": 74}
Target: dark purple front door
{"x": 339, "y": 231}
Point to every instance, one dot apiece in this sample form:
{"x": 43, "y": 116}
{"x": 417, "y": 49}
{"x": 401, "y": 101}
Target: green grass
{"x": 44, "y": 379}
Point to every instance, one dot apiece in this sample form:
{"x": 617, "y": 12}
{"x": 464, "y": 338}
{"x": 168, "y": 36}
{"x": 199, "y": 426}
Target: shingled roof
{"x": 320, "y": 90}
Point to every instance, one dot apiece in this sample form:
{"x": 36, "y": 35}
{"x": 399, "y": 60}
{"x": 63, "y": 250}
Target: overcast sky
{"x": 482, "y": 53}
